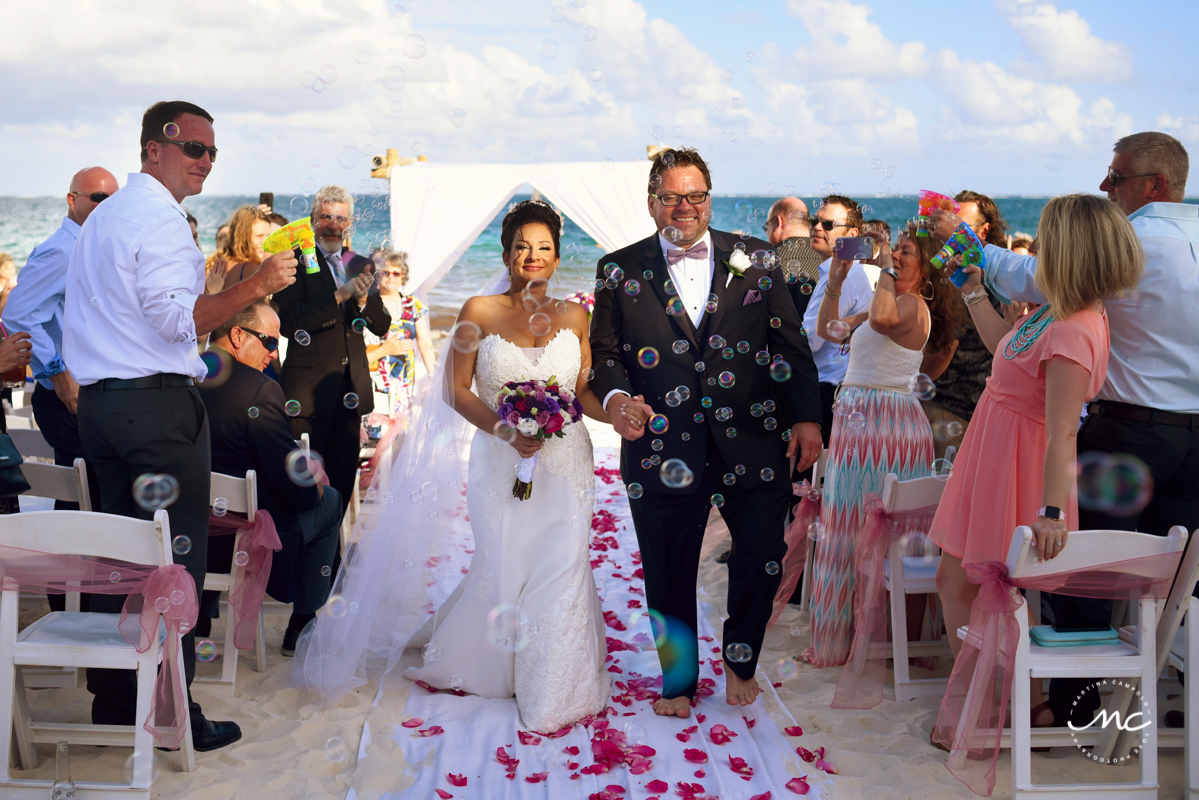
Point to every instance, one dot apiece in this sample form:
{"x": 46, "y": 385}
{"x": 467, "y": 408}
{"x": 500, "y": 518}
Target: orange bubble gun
{"x": 297, "y": 235}
{"x": 930, "y": 200}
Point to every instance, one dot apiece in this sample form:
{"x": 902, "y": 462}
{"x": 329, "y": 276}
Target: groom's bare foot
{"x": 739, "y": 692}
{"x": 674, "y": 707}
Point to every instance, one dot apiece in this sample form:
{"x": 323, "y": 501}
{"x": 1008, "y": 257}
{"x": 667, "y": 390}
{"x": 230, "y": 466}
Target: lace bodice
{"x": 878, "y": 362}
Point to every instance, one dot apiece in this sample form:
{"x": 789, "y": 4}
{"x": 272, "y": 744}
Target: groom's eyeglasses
{"x": 694, "y": 198}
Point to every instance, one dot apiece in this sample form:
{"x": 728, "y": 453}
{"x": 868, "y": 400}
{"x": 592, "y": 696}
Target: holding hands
{"x": 629, "y": 415}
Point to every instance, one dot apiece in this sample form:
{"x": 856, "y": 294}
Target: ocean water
{"x": 24, "y": 222}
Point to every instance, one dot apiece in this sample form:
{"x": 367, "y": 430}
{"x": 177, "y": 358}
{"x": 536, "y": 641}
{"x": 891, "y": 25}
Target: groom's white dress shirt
{"x": 692, "y": 279}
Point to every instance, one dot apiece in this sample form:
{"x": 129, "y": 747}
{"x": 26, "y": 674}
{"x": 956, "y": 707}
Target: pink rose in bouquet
{"x": 540, "y": 409}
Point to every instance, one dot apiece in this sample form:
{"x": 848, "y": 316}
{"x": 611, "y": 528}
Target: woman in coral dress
{"x": 1017, "y": 461}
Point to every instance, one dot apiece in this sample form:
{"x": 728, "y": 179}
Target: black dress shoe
{"x": 212, "y": 735}
{"x": 290, "y": 637}
{"x": 723, "y": 558}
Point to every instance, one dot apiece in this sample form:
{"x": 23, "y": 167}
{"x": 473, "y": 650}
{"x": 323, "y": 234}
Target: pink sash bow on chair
{"x": 863, "y": 676}
{"x": 260, "y": 542}
{"x": 971, "y": 725}
{"x": 796, "y": 538}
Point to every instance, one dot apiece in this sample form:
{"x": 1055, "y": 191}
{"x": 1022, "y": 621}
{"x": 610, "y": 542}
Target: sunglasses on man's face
{"x": 269, "y": 342}
{"x": 95, "y": 197}
{"x": 1114, "y": 177}
{"x": 194, "y": 150}
{"x": 829, "y": 224}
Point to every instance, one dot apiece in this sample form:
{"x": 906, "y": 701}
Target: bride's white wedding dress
{"x": 544, "y": 640}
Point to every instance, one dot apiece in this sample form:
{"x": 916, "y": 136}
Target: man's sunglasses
{"x": 269, "y": 342}
{"x": 1114, "y": 177}
{"x": 694, "y": 198}
{"x": 194, "y": 150}
{"x": 95, "y": 197}
{"x": 829, "y": 224}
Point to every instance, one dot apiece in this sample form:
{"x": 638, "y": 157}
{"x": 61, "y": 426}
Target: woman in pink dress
{"x": 1017, "y": 462}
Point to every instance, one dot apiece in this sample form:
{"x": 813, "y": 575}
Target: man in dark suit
{"x": 250, "y": 430}
{"x": 323, "y": 315}
{"x": 734, "y": 379}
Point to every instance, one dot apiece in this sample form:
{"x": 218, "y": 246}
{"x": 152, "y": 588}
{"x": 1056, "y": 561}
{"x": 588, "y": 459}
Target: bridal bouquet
{"x": 540, "y": 409}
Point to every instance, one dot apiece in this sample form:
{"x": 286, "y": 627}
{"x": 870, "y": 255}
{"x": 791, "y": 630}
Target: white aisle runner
{"x": 422, "y": 745}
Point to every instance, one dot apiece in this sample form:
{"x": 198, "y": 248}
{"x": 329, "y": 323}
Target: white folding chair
{"x": 1132, "y": 662}
{"x": 241, "y": 497}
{"x": 30, "y": 443}
{"x": 907, "y": 575}
{"x": 56, "y": 483}
{"x": 805, "y": 586}
{"x": 1186, "y": 649}
{"x": 75, "y": 639}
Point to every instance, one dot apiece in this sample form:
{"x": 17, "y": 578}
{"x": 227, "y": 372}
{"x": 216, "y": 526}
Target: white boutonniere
{"x": 737, "y": 263}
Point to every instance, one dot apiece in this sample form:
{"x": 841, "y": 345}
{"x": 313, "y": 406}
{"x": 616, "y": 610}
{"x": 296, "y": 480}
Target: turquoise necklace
{"x": 1028, "y": 333}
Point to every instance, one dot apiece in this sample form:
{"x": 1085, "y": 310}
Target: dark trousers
{"x": 60, "y": 428}
{"x": 296, "y": 575}
{"x": 670, "y": 530}
{"x": 1171, "y": 453}
{"x": 127, "y": 433}
{"x": 336, "y": 440}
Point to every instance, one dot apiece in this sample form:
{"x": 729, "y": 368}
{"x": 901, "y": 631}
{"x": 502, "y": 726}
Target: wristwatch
{"x": 1052, "y": 512}
{"x": 890, "y": 271}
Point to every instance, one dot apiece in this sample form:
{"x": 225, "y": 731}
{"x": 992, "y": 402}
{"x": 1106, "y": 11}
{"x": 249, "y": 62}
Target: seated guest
{"x": 306, "y": 517}
{"x": 1019, "y": 454}
{"x": 879, "y": 427}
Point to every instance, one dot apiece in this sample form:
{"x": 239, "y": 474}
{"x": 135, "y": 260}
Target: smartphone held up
{"x": 856, "y": 248}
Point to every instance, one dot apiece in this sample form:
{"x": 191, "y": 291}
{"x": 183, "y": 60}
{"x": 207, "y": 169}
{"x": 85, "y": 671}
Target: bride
{"x": 525, "y": 620}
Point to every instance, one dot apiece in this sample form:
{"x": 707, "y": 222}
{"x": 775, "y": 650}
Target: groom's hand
{"x": 627, "y": 415}
{"x": 805, "y": 437}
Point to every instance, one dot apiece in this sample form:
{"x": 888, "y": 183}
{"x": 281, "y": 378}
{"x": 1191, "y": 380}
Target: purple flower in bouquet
{"x": 540, "y": 409}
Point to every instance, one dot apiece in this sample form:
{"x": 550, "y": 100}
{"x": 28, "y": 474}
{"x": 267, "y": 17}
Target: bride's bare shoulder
{"x": 480, "y": 310}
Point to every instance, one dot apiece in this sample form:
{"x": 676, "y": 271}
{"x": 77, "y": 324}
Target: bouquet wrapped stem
{"x": 539, "y": 409}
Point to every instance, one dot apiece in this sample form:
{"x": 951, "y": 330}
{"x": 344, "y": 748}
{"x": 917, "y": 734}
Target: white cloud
{"x": 844, "y": 41}
{"x": 1184, "y": 128}
{"x": 1061, "y": 44}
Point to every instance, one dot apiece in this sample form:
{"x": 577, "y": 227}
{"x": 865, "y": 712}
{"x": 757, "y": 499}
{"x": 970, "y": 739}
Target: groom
{"x": 734, "y": 416}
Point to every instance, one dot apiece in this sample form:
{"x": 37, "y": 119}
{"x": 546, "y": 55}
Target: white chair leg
{"x": 229, "y": 657}
{"x": 187, "y": 750}
{"x": 1191, "y": 703}
{"x": 143, "y": 742}
{"x": 805, "y": 591}
{"x": 22, "y": 722}
{"x": 8, "y": 633}
{"x": 1021, "y": 708}
{"x": 1110, "y": 745}
{"x": 899, "y": 629}
{"x": 260, "y": 644}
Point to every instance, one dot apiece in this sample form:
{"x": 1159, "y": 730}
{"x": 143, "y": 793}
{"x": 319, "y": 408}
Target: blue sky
{"x": 1007, "y": 97}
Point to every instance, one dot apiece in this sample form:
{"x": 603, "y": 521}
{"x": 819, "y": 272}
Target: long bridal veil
{"x": 410, "y": 545}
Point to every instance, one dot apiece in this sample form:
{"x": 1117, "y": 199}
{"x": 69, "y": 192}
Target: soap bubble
{"x": 326, "y": 571}
{"x": 727, "y": 353}
{"x": 1119, "y": 484}
{"x": 762, "y": 357}
{"x": 597, "y": 75}
{"x": 504, "y": 432}
{"x": 508, "y": 628}
{"x": 699, "y": 366}
{"x": 220, "y": 507}
{"x": 205, "y": 651}
{"x": 775, "y": 322}
{"x": 114, "y": 577}
{"x": 414, "y": 46}
{"x": 657, "y": 445}
{"x": 177, "y": 598}
{"x": 549, "y": 49}
{"x": 336, "y": 606}
{"x": 465, "y": 337}
{"x": 241, "y": 558}
{"x": 456, "y": 683}
{"x": 153, "y": 492}
{"x": 723, "y": 414}
{"x": 657, "y": 132}
{"x": 856, "y": 421}
{"x": 838, "y": 329}
{"x": 787, "y": 669}
{"x": 397, "y": 106}
{"x": 171, "y": 130}
{"x": 648, "y": 357}
{"x": 770, "y": 423}
{"x": 540, "y": 324}
{"x": 764, "y": 283}
{"x": 676, "y": 474}
{"x": 304, "y": 468}
{"x": 731, "y": 433}
{"x": 458, "y": 117}
{"x": 772, "y": 568}
{"x": 716, "y": 342}
{"x": 335, "y": 749}
{"x": 431, "y": 652}
{"x": 646, "y": 463}
{"x": 394, "y": 78}
{"x": 673, "y": 399}
{"x": 359, "y": 325}
{"x": 742, "y": 347}
{"x": 738, "y": 653}
{"x": 182, "y": 545}
{"x": 816, "y": 531}
{"x": 699, "y": 417}
{"x": 683, "y": 391}
{"x": 941, "y": 469}
{"x": 727, "y": 379}
{"x": 631, "y": 288}
{"x": 635, "y": 491}
{"x": 756, "y": 410}
{"x": 953, "y": 429}
{"x": 739, "y": 469}
{"x": 767, "y": 474}
{"x": 780, "y": 371}
{"x": 162, "y": 605}
{"x": 350, "y": 400}
{"x": 292, "y": 408}
{"x": 729, "y": 479}
{"x": 658, "y": 424}
{"x": 717, "y": 500}
{"x": 217, "y": 364}
{"x": 922, "y": 387}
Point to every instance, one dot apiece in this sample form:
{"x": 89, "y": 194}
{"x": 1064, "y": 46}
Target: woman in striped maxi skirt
{"x": 879, "y": 426}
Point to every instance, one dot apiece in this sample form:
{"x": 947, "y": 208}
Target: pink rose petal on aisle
{"x": 571, "y": 750}
{"x": 763, "y": 796}
{"x": 749, "y": 723}
{"x": 700, "y": 718}
{"x": 433, "y": 730}
{"x": 528, "y": 738}
{"x": 536, "y": 777}
{"x": 614, "y": 788}
{"x": 696, "y": 756}
{"x": 415, "y": 722}
{"x": 741, "y": 767}
{"x": 560, "y": 733}
{"x": 699, "y": 773}
{"x": 683, "y": 737}
{"x": 799, "y": 785}
{"x": 657, "y": 786}
{"x": 443, "y": 794}
{"x": 806, "y": 754}
{"x": 721, "y": 735}
{"x": 456, "y": 780}
{"x": 822, "y": 764}
{"x": 794, "y": 730}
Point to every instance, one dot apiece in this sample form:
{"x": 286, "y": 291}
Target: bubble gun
{"x": 296, "y": 235}
{"x": 929, "y": 201}
{"x": 962, "y": 243}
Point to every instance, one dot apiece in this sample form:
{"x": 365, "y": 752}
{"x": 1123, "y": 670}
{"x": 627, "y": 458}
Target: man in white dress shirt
{"x": 837, "y": 217}
{"x": 135, "y": 306}
{"x": 1149, "y": 404}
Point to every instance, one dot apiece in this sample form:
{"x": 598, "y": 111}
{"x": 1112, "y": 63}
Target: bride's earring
{"x": 557, "y": 280}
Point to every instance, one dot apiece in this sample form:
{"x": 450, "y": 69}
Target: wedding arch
{"x": 438, "y": 210}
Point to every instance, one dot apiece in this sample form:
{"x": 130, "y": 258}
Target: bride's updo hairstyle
{"x": 525, "y": 213}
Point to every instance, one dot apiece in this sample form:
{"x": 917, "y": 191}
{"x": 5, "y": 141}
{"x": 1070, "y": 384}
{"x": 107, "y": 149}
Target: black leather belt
{"x": 1109, "y": 408}
{"x": 163, "y": 380}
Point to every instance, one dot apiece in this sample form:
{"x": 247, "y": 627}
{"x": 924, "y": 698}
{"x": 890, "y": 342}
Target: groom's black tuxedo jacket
{"x": 623, "y": 323}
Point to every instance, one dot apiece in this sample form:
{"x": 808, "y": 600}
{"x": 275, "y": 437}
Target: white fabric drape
{"x": 438, "y": 210}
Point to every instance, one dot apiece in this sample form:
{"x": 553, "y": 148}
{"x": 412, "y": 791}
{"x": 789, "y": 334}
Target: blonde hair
{"x": 241, "y": 234}
{"x": 6, "y": 261}
{"x": 398, "y": 260}
{"x": 1086, "y": 251}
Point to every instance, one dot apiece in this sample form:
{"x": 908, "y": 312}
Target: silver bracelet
{"x": 977, "y": 296}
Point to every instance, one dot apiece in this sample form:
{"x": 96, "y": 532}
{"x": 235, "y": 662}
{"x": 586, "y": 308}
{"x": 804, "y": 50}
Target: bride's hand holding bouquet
{"x": 534, "y": 411}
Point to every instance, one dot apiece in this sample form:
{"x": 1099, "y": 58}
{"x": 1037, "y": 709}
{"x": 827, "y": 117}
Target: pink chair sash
{"x": 154, "y": 593}
{"x": 863, "y": 676}
{"x": 970, "y": 725}
{"x": 796, "y": 537}
{"x": 260, "y": 541}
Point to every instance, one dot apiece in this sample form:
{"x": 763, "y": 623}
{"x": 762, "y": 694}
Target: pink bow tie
{"x": 696, "y": 251}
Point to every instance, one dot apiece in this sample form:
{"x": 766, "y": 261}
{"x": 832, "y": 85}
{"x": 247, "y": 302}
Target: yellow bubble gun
{"x": 296, "y": 235}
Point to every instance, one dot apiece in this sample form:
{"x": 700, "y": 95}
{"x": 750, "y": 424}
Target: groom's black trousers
{"x": 670, "y": 531}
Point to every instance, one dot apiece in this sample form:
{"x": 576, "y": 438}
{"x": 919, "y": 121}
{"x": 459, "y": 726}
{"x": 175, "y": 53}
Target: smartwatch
{"x": 1052, "y": 512}
{"x": 889, "y": 271}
